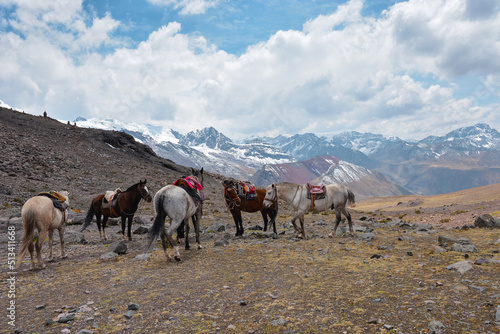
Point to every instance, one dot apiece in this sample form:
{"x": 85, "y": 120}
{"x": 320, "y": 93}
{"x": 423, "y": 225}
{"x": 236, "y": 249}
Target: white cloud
{"x": 341, "y": 72}
{"x": 188, "y": 7}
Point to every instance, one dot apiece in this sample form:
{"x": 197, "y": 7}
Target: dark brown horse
{"x": 125, "y": 207}
{"x": 237, "y": 204}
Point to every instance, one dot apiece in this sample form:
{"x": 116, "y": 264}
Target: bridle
{"x": 274, "y": 200}
{"x": 230, "y": 202}
{"x": 143, "y": 196}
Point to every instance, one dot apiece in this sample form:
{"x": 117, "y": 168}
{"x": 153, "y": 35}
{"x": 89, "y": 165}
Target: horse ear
{"x": 201, "y": 171}
{"x": 273, "y": 186}
{"x": 192, "y": 170}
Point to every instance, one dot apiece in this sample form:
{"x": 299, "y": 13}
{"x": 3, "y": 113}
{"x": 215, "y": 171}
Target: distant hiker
{"x": 45, "y": 114}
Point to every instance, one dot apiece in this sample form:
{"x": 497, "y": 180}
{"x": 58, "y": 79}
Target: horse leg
{"x": 163, "y": 237}
{"x": 98, "y": 219}
{"x": 294, "y": 218}
{"x": 337, "y": 222}
{"x": 129, "y": 228}
{"x": 51, "y": 235}
{"x": 61, "y": 238}
{"x": 124, "y": 222}
{"x": 264, "y": 216}
{"x": 302, "y": 234}
{"x": 169, "y": 233}
{"x": 38, "y": 247}
{"x": 236, "y": 224}
{"x": 196, "y": 223}
{"x": 348, "y": 216}
{"x": 31, "y": 248}
{"x": 104, "y": 223}
{"x": 186, "y": 233}
{"x": 272, "y": 217}
{"x": 240, "y": 221}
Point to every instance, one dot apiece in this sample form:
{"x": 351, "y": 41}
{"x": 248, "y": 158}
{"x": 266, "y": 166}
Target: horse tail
{"x": 88, "y": 217}
{"x": 351, "y": 198}
{"x": 29, "y": 231}
{"x": 159, "y": 223}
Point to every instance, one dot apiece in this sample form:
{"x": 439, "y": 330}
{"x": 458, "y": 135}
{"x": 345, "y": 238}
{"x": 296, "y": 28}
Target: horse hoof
{"x": 64, "y": 256}
{"x": 177, "y": 258}
{"x": 50, "y": 259}
{"x": 200, "y": 247}
{"x": 187, "y": 247}
{"x": 300, "y": 236}
{"x": 330, "y": 235}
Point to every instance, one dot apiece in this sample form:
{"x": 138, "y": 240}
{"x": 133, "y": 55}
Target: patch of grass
{"x": 444, "y": 220}
{"x": 459, "y": 212}
{"x": 496, "y": 213}
{"x": 18, "y": 200}
{"x": 418, "y": 211}
{"x": 402, "y": 216}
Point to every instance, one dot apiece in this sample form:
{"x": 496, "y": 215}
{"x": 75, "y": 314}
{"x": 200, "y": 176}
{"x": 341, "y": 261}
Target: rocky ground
{"x": 415, "y": 264}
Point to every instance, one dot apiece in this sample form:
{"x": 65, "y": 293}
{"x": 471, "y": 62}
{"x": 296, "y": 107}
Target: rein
{"x": 230, "y": 200}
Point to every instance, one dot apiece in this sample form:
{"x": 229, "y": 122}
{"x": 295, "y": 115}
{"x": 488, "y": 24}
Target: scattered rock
{"x": 118, "y": 247}
{"x": 109, "y": 256}
{"x": 129, "y": 314}
{"x": 462, "y": 267}
{"x": 141, "y": 230}
{"x": 66, "y": 318}
{"x": 142, "y": 257}
{"x": 221, "y": 242}
{"x": 445, "y": 241}
{"x": 487, "y": 221}
{"x": 438, "y": 249}
{"x": 133, "y": 306}
{"x": 75, "y": 237}
{"x": 216, "y": 227}
{"x": 367, "y": 236}
{"x": 435, "y": 327}
{"x": 85, "y": 331}
{"x": 278, "y": 322}
{"x": 40, "y": 307}
{"x": 464, "y": 245}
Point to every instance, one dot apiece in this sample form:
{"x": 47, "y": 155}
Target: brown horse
{"x": 40, "y": 213}
{"x": 126, "y": 206}
{"x": 236, "y": 205}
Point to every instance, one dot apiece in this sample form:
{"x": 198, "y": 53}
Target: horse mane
{"x": 132, "y": 187}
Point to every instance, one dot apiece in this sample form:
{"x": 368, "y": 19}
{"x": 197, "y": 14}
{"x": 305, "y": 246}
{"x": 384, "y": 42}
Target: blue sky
{"x": 402, "y": 68}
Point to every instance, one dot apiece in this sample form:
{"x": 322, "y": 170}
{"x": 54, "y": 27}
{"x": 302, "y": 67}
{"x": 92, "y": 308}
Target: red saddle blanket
{"x": 316, "y": 189}
{"x": 248, "y": 188}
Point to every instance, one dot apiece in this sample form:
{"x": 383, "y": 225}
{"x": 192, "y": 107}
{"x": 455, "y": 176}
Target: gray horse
{"x": 295, "y": 195}
{"x": 176, "y": 203}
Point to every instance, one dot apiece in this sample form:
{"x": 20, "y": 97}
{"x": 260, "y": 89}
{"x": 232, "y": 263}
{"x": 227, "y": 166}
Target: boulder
{"x": 487, "y": 221}
{"x": 464, "y": 245}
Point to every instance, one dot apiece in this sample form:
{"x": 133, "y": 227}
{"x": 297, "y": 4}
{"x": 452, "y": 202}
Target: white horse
{"x": 174, "y": 202}
{"x": 295, "y": 195}
{"x": 40, "y": 213}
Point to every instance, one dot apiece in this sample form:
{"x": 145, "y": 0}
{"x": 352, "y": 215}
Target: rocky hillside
{"x": 41, "y": 154}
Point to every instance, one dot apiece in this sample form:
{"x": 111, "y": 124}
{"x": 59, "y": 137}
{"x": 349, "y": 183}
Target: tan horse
{"x": 40, "y": 213}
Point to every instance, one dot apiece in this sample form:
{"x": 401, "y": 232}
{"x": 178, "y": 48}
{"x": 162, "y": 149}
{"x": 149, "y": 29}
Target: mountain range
{"x": 464, "y": 158}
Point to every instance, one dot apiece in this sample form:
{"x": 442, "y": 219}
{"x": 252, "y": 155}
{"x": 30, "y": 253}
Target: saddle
{"x": 246, "y": 191}
{"x": 110, "y": 201}
{"x": 191, "y": 185}
{"x": 315, "y": 192}
{"x": 58, "y": 200}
